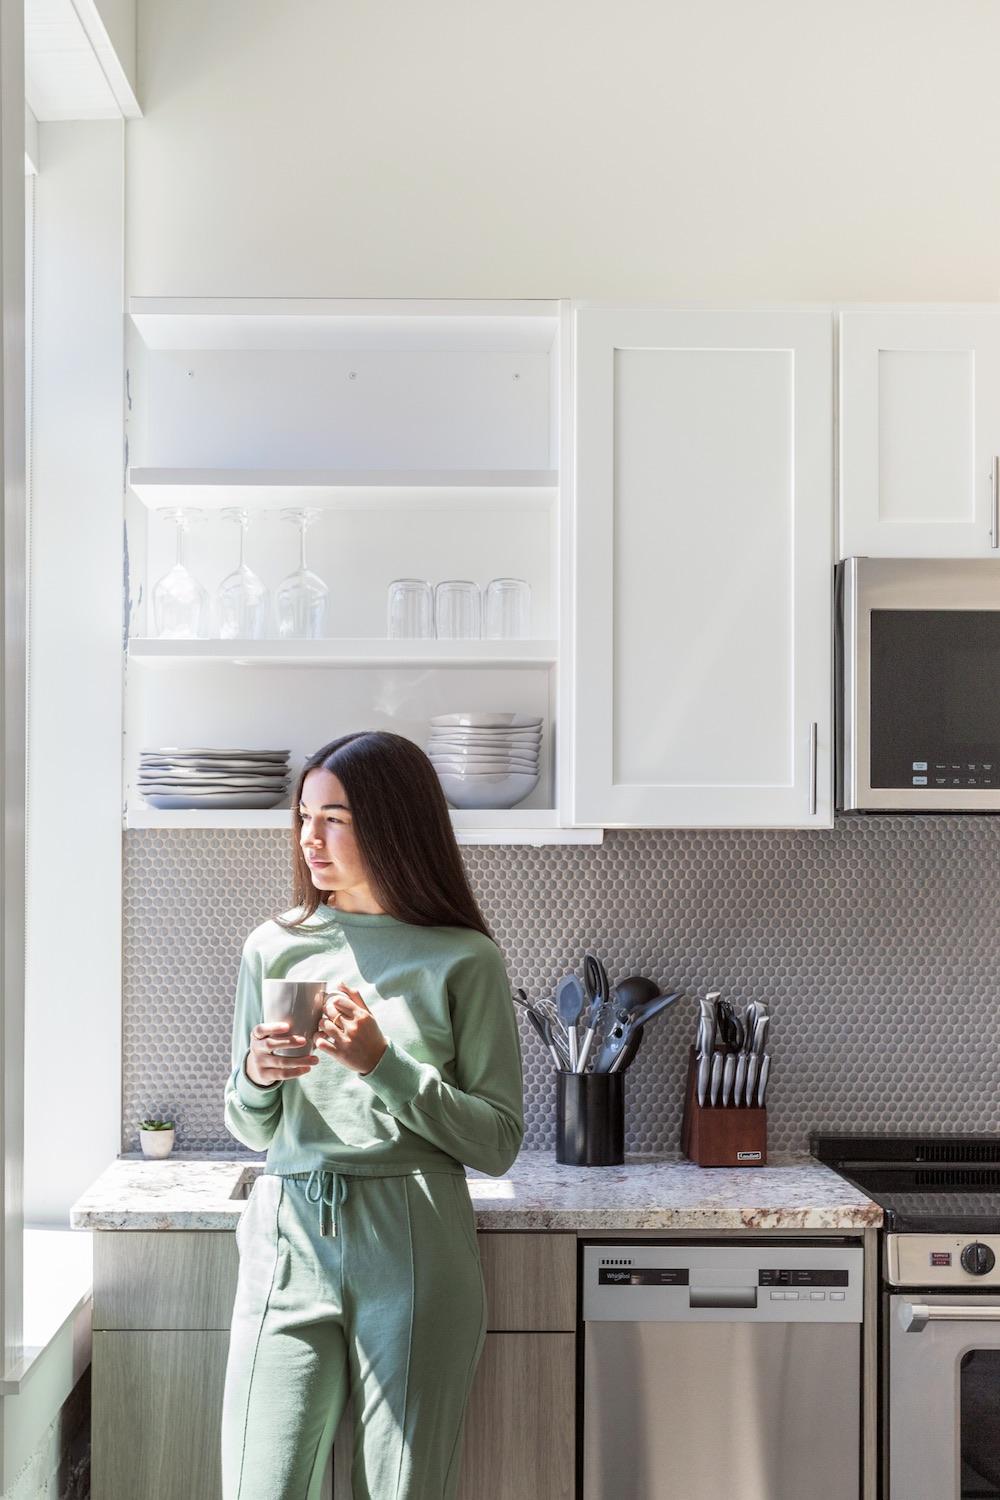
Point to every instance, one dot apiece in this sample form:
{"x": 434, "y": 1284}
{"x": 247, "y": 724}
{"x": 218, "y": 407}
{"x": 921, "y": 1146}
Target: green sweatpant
{"x": 361, "y": 1286}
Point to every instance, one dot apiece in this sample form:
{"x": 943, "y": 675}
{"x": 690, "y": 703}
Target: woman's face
{"x": 328, "y": 843}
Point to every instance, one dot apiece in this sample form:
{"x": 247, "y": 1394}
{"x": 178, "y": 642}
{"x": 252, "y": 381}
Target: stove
{"x": 939, "y": 1306}
{"x": 925, "y": 1184}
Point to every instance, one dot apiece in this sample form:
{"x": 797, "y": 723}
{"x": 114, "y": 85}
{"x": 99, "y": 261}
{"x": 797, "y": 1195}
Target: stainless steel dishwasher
{"x": 714, "y": 1370}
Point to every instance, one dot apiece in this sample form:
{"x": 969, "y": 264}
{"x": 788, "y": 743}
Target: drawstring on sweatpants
{"x": 329, "y": 1190}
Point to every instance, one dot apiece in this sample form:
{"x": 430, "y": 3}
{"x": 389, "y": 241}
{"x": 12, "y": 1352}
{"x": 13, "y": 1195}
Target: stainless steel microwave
{"x": 918, "y": 684}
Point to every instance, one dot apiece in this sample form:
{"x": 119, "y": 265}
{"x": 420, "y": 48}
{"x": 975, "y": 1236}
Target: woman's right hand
{"x": 263, "y": 1067}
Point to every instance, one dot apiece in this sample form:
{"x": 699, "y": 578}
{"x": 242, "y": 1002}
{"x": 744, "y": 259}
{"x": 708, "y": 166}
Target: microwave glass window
{"x": 979, "y": 1429}
{"x": 935, "y": 698}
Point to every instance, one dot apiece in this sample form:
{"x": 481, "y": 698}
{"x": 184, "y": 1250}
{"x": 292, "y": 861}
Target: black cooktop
{"x": 925, "y": 1184}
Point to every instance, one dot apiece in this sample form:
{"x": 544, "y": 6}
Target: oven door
{"x": 944, "y": 1397}
{"x": 918, "y": 672}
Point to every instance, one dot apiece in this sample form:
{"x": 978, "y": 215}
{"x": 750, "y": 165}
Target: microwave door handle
{"x": 995, "y": 504}
{"x": 915, "y": 1316}
{"x": 813, "y": 767}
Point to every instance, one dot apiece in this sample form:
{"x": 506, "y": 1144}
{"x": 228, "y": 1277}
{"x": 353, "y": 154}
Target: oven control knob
{"x": 978, "y": 1259}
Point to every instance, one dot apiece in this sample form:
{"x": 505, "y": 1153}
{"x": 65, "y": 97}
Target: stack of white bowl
{"x": 486, "y": 760}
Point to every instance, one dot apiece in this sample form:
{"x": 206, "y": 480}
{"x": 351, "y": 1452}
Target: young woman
{"x": 359, "y": 1270}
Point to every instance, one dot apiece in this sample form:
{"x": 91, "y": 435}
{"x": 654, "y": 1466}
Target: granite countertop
{"x": 648, "y": 1192}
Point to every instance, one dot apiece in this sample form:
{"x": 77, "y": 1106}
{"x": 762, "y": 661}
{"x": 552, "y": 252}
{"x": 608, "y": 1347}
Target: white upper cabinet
{"x": 919, "y": 433}
{"x": 424, "y": 438}
{"x": 702, "y": 616}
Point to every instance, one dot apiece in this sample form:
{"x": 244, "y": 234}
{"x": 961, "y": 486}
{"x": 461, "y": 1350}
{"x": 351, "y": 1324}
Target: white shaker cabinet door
{"x": 703, "y": 579}
{"x": 919, "y": 433}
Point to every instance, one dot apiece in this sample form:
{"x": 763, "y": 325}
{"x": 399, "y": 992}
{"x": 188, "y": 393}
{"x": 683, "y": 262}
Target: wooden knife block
{"x": 721, "y": 1137}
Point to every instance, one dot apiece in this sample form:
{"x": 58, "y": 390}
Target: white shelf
{"x": 344, "y": 652}
{"x": 331, "y": 323}
{"x": 489, "y": 826}
{"x": 268, "y": 489}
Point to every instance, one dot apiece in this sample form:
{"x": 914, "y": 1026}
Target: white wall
{"x": 794, "y": 149}
{"x": 73, "y": 1023}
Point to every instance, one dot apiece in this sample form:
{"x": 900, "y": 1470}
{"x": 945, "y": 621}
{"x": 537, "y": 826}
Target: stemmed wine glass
{"x": 242, "y": 599}
{"x": 180, "y": 604}
{"x": 302, "y": 596}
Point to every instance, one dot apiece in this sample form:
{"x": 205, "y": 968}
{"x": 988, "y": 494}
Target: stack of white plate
{"x": 486, "y": 760}
{"x": 199, "y": 777}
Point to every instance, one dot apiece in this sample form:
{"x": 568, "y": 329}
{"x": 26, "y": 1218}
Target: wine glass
{"x": 302, "y": 596}
{"x": 180, "y": 604}
{"x": 242, "y": 599}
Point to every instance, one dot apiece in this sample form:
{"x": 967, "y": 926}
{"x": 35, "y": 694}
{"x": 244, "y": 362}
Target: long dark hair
{"x": 403, "y": 830}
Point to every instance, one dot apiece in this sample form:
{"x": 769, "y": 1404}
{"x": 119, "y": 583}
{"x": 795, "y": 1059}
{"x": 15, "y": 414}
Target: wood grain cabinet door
{"x": 157, "y": 1411}
{"x": 520, "y": 1423}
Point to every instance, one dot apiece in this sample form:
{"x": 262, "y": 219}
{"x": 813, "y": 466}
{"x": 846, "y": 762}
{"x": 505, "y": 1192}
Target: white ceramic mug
{"x": 300, "y": 1001}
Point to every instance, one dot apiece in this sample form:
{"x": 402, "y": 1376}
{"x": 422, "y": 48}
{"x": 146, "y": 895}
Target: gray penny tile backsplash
{"x": 877, "y": 944}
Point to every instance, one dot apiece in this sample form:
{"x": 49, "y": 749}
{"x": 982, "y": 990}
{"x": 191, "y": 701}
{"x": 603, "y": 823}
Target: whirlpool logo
{"x": 613, "y": 1277}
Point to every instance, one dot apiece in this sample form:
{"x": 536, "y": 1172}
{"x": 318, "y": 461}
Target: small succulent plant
{"x": 156, "y": 1124}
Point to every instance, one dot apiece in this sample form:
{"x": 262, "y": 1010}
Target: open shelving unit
{"x": 427, "y": 435}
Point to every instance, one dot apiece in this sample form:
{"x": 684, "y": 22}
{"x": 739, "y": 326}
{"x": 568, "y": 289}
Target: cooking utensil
{"x": 562, "y": 1051}
{"x": 570, "y": 1000}
{"x": 625, "y": 1020}
{"x": 652, "y": 1007}
{"x": 731, "y": 1028}
{"x": 631, "y": 992}
{"x": 716, "y": 1083}
{"x": 595, "y": 978}
{"x": 760, "y": 1035}
{"x": 753, "y": 1064}
{"x": 739, "y": 1087}
{"x": 625, "y": 1056}
{"x": 709, "y": 1019}
{"x": 539, "y": 1024}
{"x": 728, "y": 1076}
{"x": 543, "y": 1027}
{"x": 765, "y": 1069}
{"x": 704, "y": 1076}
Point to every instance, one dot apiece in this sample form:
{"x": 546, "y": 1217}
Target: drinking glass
{"x": 302, "y": 597}
{"x": 241, "y": 600}
{"x": 180, "y": 604}
{"x": 411, "y": 610}
{"x": 457, "y": 610}
{"x": 508, "y": 610}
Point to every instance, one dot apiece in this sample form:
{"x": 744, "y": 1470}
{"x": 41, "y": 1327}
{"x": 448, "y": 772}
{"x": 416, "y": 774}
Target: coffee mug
{"x": 300, "y": 1001}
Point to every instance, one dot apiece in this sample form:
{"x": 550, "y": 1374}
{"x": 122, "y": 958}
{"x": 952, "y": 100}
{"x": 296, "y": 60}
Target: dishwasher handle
{"x": 722, "y": 1296}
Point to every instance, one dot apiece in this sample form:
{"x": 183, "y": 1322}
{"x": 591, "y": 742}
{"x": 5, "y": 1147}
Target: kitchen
{"x": 282, "y": 176}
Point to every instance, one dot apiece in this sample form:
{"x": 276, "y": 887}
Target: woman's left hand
{"x": 349, "y": 1032}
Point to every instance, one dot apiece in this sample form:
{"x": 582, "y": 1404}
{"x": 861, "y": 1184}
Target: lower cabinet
{"x": 156, "y": 1408}
{"x": 162, "y": 1307}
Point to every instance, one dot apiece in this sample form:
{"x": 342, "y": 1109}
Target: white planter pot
{"x": 156, "y": 1143}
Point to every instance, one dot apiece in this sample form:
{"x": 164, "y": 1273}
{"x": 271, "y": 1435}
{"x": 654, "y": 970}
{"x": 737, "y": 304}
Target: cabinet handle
{"x": 813, "y": 766}
{"x": 995, "y": 505}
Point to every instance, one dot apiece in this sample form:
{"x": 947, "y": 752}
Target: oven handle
{"x": 915, "y": 1316}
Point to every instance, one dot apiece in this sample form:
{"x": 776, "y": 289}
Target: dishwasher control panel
{"x": 722, "y": 1283}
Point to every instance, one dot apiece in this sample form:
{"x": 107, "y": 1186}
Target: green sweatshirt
{"x": 446, "y": 1092}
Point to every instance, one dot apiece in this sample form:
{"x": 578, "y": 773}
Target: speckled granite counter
{"x": 648, "y": 1192}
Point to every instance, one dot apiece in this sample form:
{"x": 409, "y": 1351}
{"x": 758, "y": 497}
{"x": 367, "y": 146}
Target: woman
{"x": 359, "y": 1269}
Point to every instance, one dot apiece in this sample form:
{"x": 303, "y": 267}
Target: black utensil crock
{"x": 590, "y": 1119}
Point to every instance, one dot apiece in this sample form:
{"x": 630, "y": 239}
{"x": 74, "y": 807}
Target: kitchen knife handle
{"x": 765, "y": 1070}
{"x": 995, "y": 504}
{"x": 813, "y": 767}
